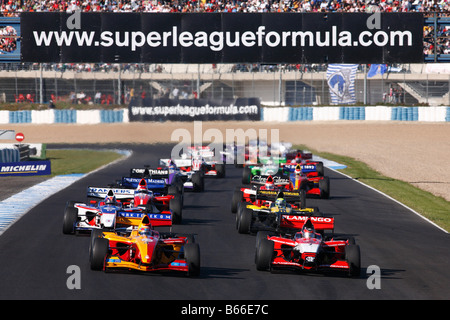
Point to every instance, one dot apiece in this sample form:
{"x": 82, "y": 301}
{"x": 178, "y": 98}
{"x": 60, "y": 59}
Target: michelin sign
{"x": 25, "y": 168}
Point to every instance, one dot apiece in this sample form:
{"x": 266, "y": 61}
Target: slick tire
{"x": 176, "y": 206}
{"x": 244, "y": 221}
{"x": 220, "y": 168}
{"x": 264, "y": 253}
{"x": 99, "y": 253}
{"x": 353, "y": 258}
{"x": 324, "y": 186}
{"x": 198, "y": 181}
{"x": 192, "y": 256}
{"x": 246, "y": 175}
{"x": 95, "y": 234}
{"x": 235, "y": 200}
{"x": 319, "y": 168}
{"x": 69, "y": 220}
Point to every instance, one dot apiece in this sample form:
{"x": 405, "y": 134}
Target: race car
{"x": 211, "y": 165}
{"x": 190, "y": 171}
{"x": 169, "y": 174}
{"x": 120, "y": 208}
{"x": 278, "y": 216}
{"x": 307, "y": 250}
{"x": 81, "y": 217}
{"x": 260, "y": 182}
{"x": 143, "y": 198}
{"x": 304, "y": 158}
{"x": 144, "y": 250}
{"x": 310, "y": 181}
{"x": 159, "y": 181}
{"x": 267, "y": 166}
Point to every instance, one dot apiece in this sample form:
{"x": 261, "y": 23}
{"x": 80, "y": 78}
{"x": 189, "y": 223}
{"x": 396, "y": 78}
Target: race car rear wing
{"x": 177, "y": 162}
{"x": 272, "y": 195}
{"x": 149, "y": 173}
{"x": 102, "y": 192}
{"x": 296, "y": 221}
{"x": 262, "y": 179}
{"x": 134, "y": 217}
{"x": 306, "y": 168}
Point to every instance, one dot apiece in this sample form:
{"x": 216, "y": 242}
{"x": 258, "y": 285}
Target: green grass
{"x": 78, "y": 161}
{"x": 434, "y": 208}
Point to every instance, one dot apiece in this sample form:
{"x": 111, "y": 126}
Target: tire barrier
{"x": 274, "y": 114}
{"x": 9, "y": 153}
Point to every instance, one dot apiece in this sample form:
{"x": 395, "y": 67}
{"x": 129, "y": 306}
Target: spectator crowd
{"x": 15, "y": 7}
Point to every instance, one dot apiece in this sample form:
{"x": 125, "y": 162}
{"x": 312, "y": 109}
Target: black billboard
{"x": 222, "y": 38}
{"x": 165, "y": 109}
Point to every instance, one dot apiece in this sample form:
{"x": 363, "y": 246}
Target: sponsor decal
{"x": 28, "y": 168}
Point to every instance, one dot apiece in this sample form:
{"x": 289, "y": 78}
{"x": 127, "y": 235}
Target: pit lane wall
{"x": 281, "y": 114}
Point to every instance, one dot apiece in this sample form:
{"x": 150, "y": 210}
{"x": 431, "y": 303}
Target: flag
{"x": 341, "y": 81}
{"x": 376, "y": 69}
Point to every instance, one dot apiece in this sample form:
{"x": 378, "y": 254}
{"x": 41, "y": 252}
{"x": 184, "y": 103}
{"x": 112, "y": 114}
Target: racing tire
{"x": 264, "y": 253}
{"x": 95, "y": 233}
{"x": 240, "y": 208}
{"x": 302, "y": 200}
{"x": 220, "y": 169}
{"x": 69, "y": 220}
{"x": 324, "y": 187}
{"x": 173, "y": 190}
{"x": 245, "y": 221}
{"x": 98, "y": 254}
{"x": 198, "y": 181}
{"x": 192, "y": 257}
{"x": 235, "y": 200}
{"x": 353, "y": 258}
{"x": 176, "y": 206}
{"x": 246, "y": 175}
{"x": 319, "y": 168}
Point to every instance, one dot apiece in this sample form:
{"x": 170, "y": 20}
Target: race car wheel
{"x": 192, "y": 256}
{"x": 95, "y": 233}
{"x": 246, "y": 175}
{"x": 264, "y": 253}
{"x": 199, "y": 182}
{"x": 324, "y": 187}
{"x": 353, "y": 258}
{"x": 99, "y": 253}
{"x": 319, "y": 168}
{"x": 302, "y": 200}
{"x": 237, "y": 197}
{"x": 70, "y": 218}
{"x": 176, "y": 206}
{"x": 245, "y": 220}
{"x": 220, "y": 168}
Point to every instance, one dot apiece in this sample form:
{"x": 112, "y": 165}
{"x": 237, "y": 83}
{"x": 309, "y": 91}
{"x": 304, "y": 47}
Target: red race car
{"x": 307, "y": 251}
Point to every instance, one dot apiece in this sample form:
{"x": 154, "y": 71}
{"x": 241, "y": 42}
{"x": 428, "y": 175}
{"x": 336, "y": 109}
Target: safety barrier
{"x": 378, "y": 113}
{"x": 275, "y": 114}
{"x": 9, "y": 153}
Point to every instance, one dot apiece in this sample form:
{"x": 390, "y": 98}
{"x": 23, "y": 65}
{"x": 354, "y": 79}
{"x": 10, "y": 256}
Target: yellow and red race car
{"x": 146, "y": 250}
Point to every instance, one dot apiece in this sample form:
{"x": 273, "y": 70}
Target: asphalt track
{"x": 411, "y": 253}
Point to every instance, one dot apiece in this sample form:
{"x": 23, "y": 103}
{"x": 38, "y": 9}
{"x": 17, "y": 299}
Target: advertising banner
{"x": 222, "y": 38}
{"x": 25, "y": 168}
{"x": 163, "y": 109}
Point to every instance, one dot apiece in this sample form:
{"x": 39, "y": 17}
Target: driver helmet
{"x": 308, "y": 232}
{"x": 280, "y": 203}
{"x": 269, "y": 185}
{"x": 111, "y": 200}
{"x": 145, "y": 231}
